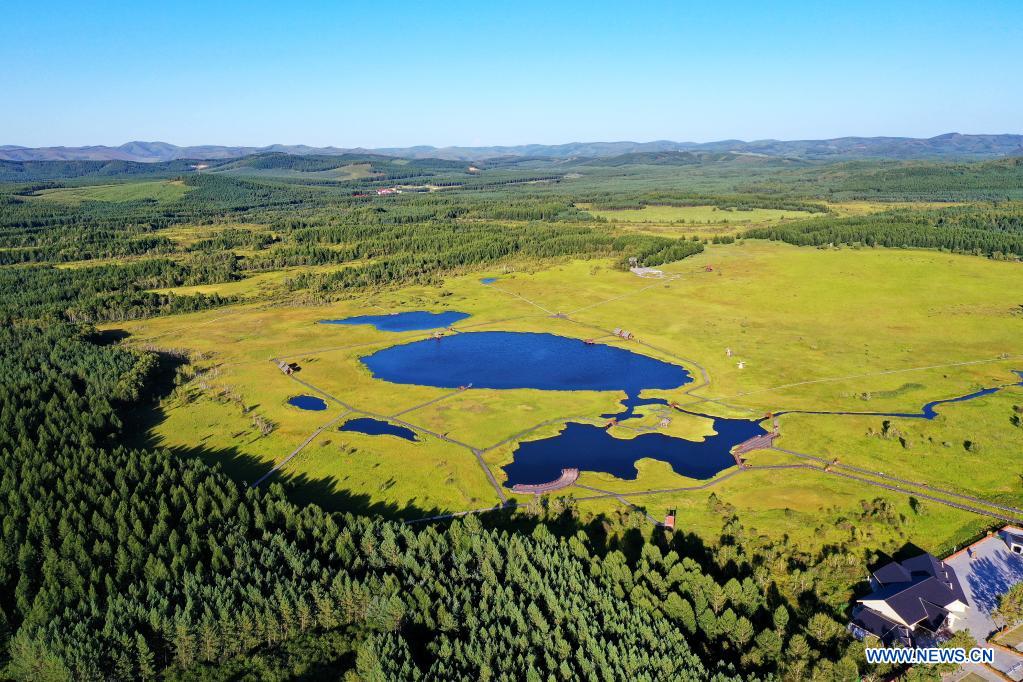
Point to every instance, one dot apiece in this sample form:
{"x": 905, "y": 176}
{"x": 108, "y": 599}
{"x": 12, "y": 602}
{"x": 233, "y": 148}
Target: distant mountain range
{"x": 950, "y": 145}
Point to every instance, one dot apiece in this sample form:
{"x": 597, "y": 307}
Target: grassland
{"x": 687, "y": 221}
{"x": 856, "y": 330}
{"x": 162, "y": 191}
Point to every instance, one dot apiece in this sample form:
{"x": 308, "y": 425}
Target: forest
{"x": 121, "y": 562}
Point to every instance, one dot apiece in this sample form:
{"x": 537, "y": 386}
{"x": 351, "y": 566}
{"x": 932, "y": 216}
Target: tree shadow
{"x": 142, "y": 419}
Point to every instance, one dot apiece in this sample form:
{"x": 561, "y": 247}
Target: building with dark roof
{"x": 915, "y": 602}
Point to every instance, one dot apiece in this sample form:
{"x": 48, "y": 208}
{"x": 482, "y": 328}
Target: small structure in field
{"x": 665, "y": 423}
{"x": 386, "y": 191}
{"x": 669, "y": 520}
{"x": 708, "y": 268}
{"x": 741, "y": 364}
{"x": 285, "y": 367}
{"x": 647, "y": 272}
{"x": 728, "y": 352}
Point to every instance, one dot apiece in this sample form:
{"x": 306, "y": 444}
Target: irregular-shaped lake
{"x": 376, "y": 427}
{"x": 592, "y": 448}
{"x": 416, "y": 320}
{"x": 307, "y": 402}
{"x": 508, "y": 360}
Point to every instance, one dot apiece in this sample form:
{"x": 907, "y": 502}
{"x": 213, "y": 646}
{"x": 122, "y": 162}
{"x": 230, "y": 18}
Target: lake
{"x": 416, "y": 320}
{"x": 307, "y": 402}
{"x": 592, "y": 448}
{"x": 508, "y": 360}
{"x": 376, "y": 427}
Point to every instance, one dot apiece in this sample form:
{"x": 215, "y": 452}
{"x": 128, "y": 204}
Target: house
{"x": 386, "y": 191}
{"x": 915, "y": 602}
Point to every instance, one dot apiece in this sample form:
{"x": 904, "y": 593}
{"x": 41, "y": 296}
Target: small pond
{"x": 308, "y": 402}
{"x": 416, "y": 320}
{"x": 376, "y": 427}
{"x": 488, "y": 280}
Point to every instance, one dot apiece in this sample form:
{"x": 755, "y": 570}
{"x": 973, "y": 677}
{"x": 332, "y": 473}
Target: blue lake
{"x": 507, "y": 360}
{"x": 488, "y": 280}
{"x": 416, "y": 320}
{"x": 592, "y": 448}
{"x": 376, "y": 427}
{"x": 308, "y": 402}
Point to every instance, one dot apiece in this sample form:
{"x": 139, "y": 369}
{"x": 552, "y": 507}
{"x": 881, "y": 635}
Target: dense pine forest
{"x": 126, "y": 563}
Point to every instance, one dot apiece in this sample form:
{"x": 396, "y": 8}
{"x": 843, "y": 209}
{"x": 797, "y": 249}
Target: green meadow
{"x": 835, "y": 329}
{"x": 161, "y": 191}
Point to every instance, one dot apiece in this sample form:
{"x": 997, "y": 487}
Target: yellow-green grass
{"x": 255, "y": 286}
{"x": 795, "y": 315}
{"x": 972, "y": 677}
{"x": 164, "y": 191}
{"x": 385, "y": 474}
{"x": 934, "y": 451}
{"x": 705, "y": 222}
{"x": 186, "y": 235}
{"x": 1011, "y": 638}
{"x": 808, "y": 507}
{"x": 696, "y": 215}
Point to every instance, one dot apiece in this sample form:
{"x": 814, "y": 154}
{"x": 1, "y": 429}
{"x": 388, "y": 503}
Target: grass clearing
{"x": 1011, "y": 638}
{"x": 162, "y": 191}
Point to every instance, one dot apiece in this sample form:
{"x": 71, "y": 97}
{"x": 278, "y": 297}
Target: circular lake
{"x": 507, "y": 360}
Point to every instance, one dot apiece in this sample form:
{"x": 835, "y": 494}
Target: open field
{"x": 848, "y": 329}
{"x": 696, "y": 215}
{"x": 162, "y": 191}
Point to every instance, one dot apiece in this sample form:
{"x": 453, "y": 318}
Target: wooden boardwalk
{"x": 567, "y": 478}
{"x": 763, "y": 442}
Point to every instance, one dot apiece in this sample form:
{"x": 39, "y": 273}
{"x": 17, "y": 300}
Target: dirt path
{"x": 280, "y": 465}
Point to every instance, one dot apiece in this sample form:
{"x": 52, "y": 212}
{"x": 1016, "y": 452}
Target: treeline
{"x": 35, "y": 171}
{"x": 994, "y": 232}
{"x": 137, "y": 564}
{"x": 111, "y": 292}
{"x": 420, "y": 252}
{"x": 997, "y": 180}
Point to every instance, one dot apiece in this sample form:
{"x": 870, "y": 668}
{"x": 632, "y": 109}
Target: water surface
{"x": 508, "y": 360}
{"x": 307, "y": 402}
{"x": 376, "y": 427}
{"x": 417, "y": 320}
{"x": 592, "y": 448}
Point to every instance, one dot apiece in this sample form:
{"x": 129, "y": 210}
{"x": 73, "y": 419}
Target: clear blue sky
{"x": 482, "y": 73}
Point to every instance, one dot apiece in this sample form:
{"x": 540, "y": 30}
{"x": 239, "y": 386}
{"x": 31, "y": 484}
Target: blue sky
{"x": 482, "y": 73}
